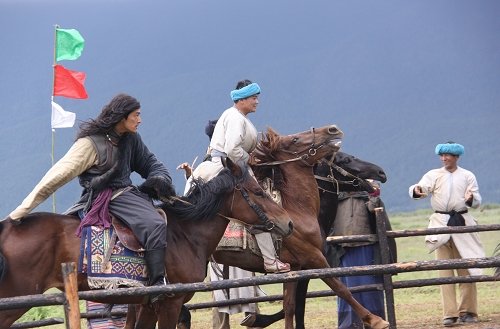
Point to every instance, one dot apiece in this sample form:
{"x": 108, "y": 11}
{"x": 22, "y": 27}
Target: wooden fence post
{"x": 385, "y": 255}
{"x": 72, "y": 305}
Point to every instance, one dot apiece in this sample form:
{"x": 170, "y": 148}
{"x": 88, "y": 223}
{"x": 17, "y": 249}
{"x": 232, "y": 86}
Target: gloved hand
{"x": 158, "y": 187}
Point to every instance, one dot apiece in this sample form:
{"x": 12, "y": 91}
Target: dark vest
{"x": 101, "y": 174}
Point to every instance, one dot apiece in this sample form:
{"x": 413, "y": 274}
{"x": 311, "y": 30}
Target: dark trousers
{"x": 371, "y": 300}
{"x": 137, "y": 211}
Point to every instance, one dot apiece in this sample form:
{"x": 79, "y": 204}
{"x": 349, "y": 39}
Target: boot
{"x": 155, "y": 261}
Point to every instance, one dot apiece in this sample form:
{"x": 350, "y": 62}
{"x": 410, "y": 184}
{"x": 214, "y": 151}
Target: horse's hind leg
{"x": 7, "y": 318}
{"x": 374, "y": 321}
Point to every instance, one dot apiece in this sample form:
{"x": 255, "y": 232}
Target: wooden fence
{"x": 71, "y": 296}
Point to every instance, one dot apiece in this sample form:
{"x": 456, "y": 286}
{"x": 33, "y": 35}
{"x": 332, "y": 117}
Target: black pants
{"x": 136, "y": 210}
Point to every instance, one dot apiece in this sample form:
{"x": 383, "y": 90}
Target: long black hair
{"x": 118, "y": 108}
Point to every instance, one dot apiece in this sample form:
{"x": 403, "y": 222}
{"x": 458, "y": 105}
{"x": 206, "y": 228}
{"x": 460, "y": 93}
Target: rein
{"x": 355, "y": 182}
{"x": 267, "y": 224}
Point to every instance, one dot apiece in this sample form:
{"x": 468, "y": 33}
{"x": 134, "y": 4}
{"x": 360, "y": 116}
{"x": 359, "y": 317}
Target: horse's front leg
{"x": 372, "y": 320}
{"x": 145, "y": 317}
{"x": 168, "y": 312}
{"x": 300, "y": 300}
{"x": 289, "y": 291}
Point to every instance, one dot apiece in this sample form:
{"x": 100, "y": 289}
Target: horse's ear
{"x": 224, "y": 161}
{"x": 235, "y": 169}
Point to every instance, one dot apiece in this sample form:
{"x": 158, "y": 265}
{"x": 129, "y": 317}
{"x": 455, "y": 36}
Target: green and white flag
{"x": 69, "y": 44}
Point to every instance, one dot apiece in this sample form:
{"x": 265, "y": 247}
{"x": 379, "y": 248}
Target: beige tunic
{"x": 234, "y": 135}
{"x": 447, "y": 192}
{"x": 80, "y": 157}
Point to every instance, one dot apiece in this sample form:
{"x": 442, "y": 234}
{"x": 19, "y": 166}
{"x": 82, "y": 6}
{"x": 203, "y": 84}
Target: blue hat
{"x": 245, "y": 92}
{"x": 450, "y": 148}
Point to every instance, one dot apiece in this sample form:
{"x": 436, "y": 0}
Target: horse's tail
{"x": 3, "y": 262}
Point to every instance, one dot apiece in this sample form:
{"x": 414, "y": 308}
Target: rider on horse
{"x": 107, "y": 150}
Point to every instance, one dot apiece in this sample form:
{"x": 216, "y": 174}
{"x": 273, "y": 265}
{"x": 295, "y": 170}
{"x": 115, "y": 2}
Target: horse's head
{"x": 309, "y": 146}
{"x": 360, "y": 168}
{"x": 250, "y": 204}
{"x": 348, "y": 172}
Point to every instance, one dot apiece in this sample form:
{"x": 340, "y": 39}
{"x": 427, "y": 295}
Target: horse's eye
{"x": 295, "y": 139}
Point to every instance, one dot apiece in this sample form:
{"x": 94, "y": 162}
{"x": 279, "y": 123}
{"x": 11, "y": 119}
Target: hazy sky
{"x": 397, "y": 76}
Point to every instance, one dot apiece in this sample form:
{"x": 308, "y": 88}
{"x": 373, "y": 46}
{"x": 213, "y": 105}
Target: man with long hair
{"x": 106, "y": 151}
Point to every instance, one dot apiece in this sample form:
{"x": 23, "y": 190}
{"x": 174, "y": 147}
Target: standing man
{"x": 453, "y": 190}
{"x": 356, "y": 216}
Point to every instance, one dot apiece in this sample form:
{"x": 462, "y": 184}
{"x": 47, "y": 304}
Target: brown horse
{"x": 336, "y": 173}
{"x": 289, "y": 161}
{"x": 31, "y": 253}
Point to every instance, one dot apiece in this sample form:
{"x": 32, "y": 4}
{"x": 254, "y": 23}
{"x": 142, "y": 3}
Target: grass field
{"x": 415, "y": 307}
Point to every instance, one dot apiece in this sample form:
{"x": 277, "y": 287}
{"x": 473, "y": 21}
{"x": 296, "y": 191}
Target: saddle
{"x": 125, "y": 235}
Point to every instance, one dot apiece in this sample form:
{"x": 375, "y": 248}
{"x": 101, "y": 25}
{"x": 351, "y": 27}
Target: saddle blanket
{"x": 109, "y": 268}
{"x": 236, "y": 237}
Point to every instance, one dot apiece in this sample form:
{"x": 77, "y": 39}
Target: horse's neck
{"x": 301, "y": 192}
{"x": 327, "y": 211}
{"x": 199, "y": 236}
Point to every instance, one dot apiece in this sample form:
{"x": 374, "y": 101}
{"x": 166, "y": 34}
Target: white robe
{"x": 447, "y": 190}
{"x": 235, "y": 136}
{"x": 235, "y": 293}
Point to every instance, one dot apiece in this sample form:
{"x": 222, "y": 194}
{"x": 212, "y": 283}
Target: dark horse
{"x": 288, "y": 161}
{"x": 339, "y": 173}
{"x": 31, "y": 253}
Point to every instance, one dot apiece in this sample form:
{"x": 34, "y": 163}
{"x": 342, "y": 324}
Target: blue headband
{"x": 450, "y": 148}
{"x": 247, "y": 91}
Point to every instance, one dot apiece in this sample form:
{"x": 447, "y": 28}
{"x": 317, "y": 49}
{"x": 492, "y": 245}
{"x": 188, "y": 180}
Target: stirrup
{"x": 276, "y": 266}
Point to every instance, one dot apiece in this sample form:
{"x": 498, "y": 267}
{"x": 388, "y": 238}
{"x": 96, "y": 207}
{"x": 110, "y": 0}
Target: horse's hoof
{"x": 380, "y": 324}
{"x": 249, "y": 320}
{"x": 375, "y": 322}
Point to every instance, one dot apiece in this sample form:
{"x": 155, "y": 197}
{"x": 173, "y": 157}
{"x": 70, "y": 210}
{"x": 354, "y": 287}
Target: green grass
{"x": 414, "y": 307}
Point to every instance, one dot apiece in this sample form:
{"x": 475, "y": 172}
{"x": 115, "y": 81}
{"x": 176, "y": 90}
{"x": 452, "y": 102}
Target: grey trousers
{"x": 137, "y": 211}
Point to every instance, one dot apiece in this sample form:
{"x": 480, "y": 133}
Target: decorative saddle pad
{"x": 236, "y": 237}
{"x": 107, "y": 267}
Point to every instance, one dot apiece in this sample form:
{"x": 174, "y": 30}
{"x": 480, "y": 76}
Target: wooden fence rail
{"x": 387, "y": 270}
{"x": 59, "y": 299}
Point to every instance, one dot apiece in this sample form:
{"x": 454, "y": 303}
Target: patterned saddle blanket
{"x": 237, "y": 238}
{"x": 107, "y": 262}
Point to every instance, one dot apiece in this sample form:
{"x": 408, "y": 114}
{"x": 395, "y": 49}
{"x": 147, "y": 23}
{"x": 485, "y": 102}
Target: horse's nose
{"x": 383, "y": 177}
{"x": 334, "y": 130}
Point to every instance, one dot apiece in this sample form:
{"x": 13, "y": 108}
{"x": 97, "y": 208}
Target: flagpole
{"x": 52, "y": 99}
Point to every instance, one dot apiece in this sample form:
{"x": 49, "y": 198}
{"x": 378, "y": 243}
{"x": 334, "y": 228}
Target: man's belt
{"x": 456, "y": 218}
{"x": 451, "y": 212}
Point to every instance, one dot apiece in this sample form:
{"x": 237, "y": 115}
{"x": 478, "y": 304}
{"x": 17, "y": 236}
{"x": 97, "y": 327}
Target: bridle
{"x": 307, "y": 152}
{"x": 354, "y": 181}
{"x": 266, "y": 223}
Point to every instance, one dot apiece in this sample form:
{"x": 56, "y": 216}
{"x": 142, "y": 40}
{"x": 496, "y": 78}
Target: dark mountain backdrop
{"x": 398, "y": 77}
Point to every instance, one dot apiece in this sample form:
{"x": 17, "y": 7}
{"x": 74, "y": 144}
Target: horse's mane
{"x": 205, "y": 198}
{"x": 265, "y": 152}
